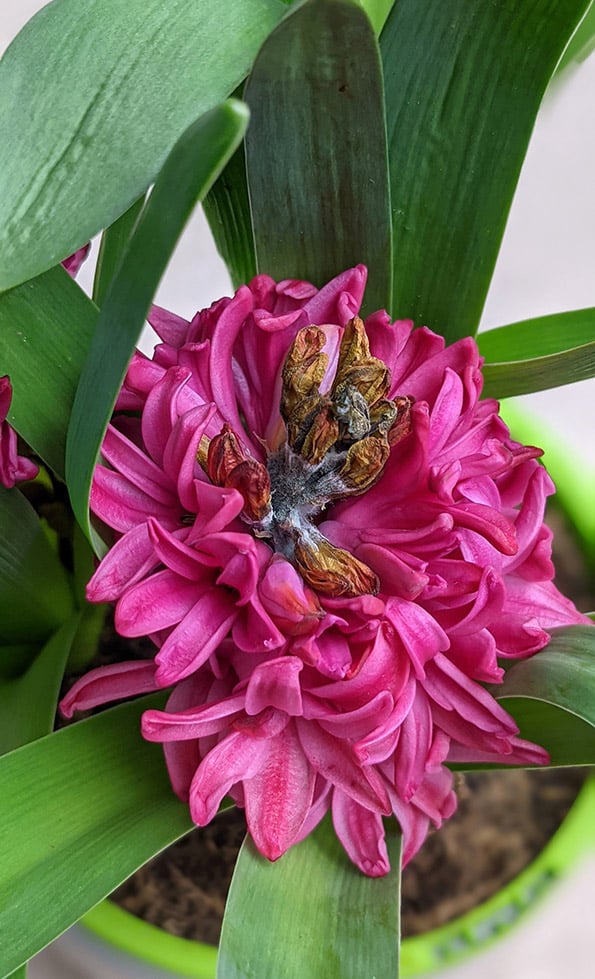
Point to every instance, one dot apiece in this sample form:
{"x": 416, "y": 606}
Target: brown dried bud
{"x": 401, "y": 426}
{"x": 227, "y": 464}
{"x": 225, "y": 453}
{"x": 332, "y": 571}
{"x": 357, "y": 367}
{"x": 364, "y": 463}
{"x": 304, "y": 369}
{"x": 313, "y": 430}
{"x": 252, "y": 480}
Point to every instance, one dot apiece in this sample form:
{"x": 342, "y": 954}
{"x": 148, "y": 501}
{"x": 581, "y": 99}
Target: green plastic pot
{"x": 435, "y": 950}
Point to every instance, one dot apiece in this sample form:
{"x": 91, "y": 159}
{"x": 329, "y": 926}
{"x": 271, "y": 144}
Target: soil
{"x": 503, "y": 820}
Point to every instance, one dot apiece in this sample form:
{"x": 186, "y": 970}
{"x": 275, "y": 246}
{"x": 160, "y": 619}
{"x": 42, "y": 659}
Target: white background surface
{"x": 547, "y": 264}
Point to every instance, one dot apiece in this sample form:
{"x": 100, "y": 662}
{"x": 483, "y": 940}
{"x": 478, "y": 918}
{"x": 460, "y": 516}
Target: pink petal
{"x": 362, "y": 834}
{"x": 278, "y": 797}
{"x": 106, "y": 683}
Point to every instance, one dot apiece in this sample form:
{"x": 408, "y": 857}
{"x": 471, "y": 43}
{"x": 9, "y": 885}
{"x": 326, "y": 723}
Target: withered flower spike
{"x": 202, "y": 453}
{"x": 332, "y": 571}
{"x": 304, "y": 369}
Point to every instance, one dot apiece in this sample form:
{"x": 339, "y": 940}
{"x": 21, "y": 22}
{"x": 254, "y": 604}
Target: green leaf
{"x": 113, "y": 245}
{"x": 552, "y": 696}
{"x": 538, "y": 337}
{"x": 28, "y": 703}
{"x": 189, "y": 171}
{"x": 311, "y": 914}
{"x": 46, "y": 327}
{"x": 82, "y": 809}
{"x": 20, "y": 973}
{"x": 537, "y": 354}
{"x": 463, "y": 85}
{"x": 506, "y": 380}
{"x": 316, "y": 150}
{"x": 35, "y": 596}
{"x": 582, "y": 42}
{"x": 227, "y": 209}
{"x": 89, "y": 115}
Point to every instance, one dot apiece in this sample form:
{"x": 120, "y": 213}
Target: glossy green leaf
{"x": 82, "y": 809}
{"x": 189, "y": 171}
{"x": 515, "y": 377}
{"x": 114, "y": 241}
{"x": 35, "y": 595}
{"x": 227, "y": 209}
{"x": 46, "y": 327}
{"x": 463, "y": 81}
{"x": 20, "y": 973}
{"x": 377, "y": 11}
{"x": 28, "y": 703}
{"x": 538, "y": 337}
{"x": 540, "y": 353}
{"x": 583, "y": 41}
{"x": 311, "y": 914}
{"x": 89, "y": 115}
{"x": 316, "y": 149}
{"x": 552, "y": 696}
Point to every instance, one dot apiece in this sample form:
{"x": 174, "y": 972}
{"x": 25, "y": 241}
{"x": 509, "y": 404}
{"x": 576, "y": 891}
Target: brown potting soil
{"x": 504, "y": 819}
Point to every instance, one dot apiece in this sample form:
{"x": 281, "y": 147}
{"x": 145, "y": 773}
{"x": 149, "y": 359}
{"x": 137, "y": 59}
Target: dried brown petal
{"x": 401, "y": 426}
{"x": 357, "y": 367}
{"x": 322, "y": 434}
{"x": 224, "y": 454}
{"x": 304, "y": 368}
{"x": 332, "y": 571}
{"x": 364, "y": 463}
{"x": 252, "y": 480}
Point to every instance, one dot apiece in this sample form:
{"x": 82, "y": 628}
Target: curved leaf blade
{"x": 189, "y": 171}
{"x": 88, "y": 149}
{"x": 107, "y": 805}
{"x": 316, "y": 150}
{"x": 46, "y": 326}
{"x": 515, "y": 377}
{"x": 311, "y": 914}
{"x": 552, "y": 696}
{"x": 28, "y": 703}
{"x": 538, "y": 337}
{"x": 35, "y": 595}
{"x": 463, "y": 81}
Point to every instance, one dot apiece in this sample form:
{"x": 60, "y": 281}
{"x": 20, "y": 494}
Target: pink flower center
{"x": 337, "y": 446}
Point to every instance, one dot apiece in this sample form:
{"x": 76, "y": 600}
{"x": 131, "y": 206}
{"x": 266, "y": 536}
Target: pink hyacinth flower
{"x": 333, "y": 543}
{"x": 13, "y": 467}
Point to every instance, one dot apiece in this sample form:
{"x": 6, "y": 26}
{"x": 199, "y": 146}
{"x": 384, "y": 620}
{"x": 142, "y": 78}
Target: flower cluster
{"x": 332, "y": 542}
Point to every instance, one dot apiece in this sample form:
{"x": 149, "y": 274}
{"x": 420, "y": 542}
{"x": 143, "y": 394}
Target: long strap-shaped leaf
{"x": 311, "y": 914}
{"x": 552, "y": 696}
{"x": 464, "y": 80}
{"x": 316, "y": 149}
{"x": 189, "y": 171}
{"x": 46, "y": 327}
{"x": 540, "y": 353}
{"x": 35, "y": 596}
{"x": 81, "y": 810}
{"x": 89, "y": 115}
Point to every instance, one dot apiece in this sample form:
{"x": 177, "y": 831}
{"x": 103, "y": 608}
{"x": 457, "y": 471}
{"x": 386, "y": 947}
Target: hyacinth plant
{"x": 306, "y": 497}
